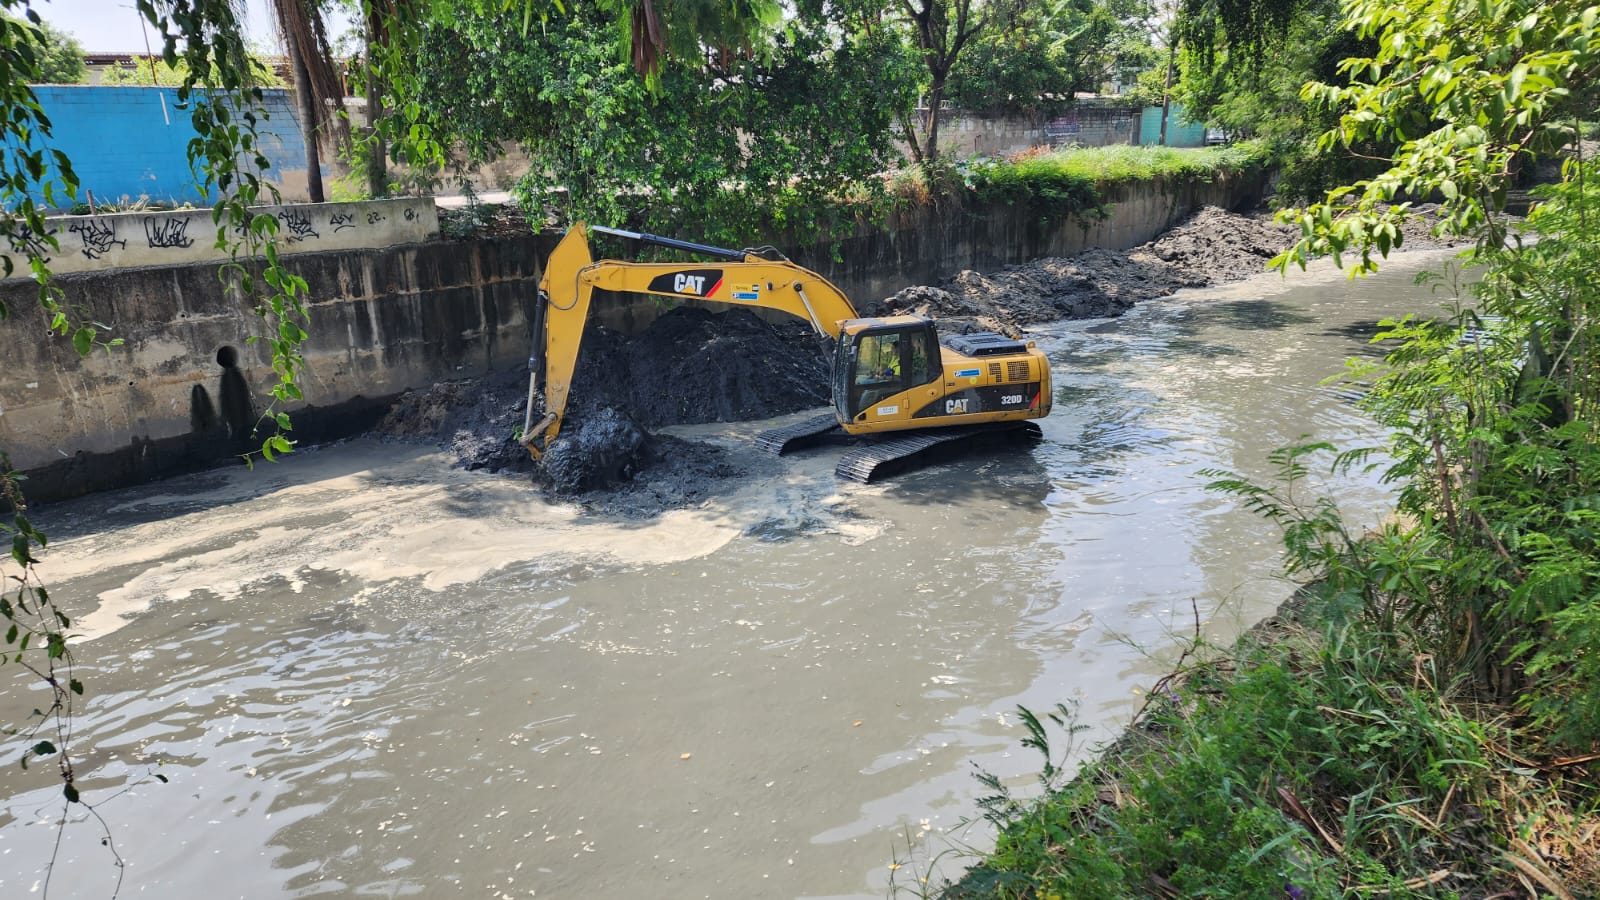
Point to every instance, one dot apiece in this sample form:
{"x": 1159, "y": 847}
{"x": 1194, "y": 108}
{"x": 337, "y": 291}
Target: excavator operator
{"x": 891, "y": 368}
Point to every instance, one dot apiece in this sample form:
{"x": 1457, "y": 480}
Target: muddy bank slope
{"x": 691, "y": 366}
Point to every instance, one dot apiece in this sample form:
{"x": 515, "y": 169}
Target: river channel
{"x": 363, "y": 673}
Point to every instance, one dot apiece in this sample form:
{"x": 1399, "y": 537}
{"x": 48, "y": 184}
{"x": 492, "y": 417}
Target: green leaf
{"x": 1519, "y": 73}
{"x": 19, "y": 550}
{"x": 43, "y": 748}
{"x": 83, "y": 340}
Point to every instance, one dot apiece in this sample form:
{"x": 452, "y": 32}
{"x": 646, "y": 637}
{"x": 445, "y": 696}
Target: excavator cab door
{"x": 876, "y": 364}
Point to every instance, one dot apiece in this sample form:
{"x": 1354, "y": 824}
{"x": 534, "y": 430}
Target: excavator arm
{"x": 571, "y": 276}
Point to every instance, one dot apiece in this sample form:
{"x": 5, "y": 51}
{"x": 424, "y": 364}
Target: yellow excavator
{"x": 889, "y": 374}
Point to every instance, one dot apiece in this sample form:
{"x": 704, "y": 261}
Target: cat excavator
{"x": 892, "y": 378}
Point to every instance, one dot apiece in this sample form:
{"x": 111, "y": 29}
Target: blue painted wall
{"x": 133, "y": 142}
{"x": 1179, "y": 132}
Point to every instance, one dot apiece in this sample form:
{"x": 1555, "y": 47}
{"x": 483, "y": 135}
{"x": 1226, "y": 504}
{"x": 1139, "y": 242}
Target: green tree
{"x": 1255, "y": 92}
{"x": 733, "y": 143}
{"x": 642, "y": 33}
{"x": 1220, "y": 38}
{"x": 1494, "y": 409}
{"x": 60, "y": 56}
{"x": 1056, "y": 49}
{"x": 942, "y": 31}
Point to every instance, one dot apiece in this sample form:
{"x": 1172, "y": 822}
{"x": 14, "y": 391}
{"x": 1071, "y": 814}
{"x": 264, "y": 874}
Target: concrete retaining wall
{"x": 179, "y": 237}
{"x": 186, "y": 387}
{"x": 964, "y": 134}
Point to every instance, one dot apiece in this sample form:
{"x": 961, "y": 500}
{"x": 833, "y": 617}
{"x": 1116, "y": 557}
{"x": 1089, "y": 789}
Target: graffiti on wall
{"x": 99, "y": 236}
{"x": 167, "y": 232}
{"x": 297, "y": 225}
{"x": 181, "y": 236}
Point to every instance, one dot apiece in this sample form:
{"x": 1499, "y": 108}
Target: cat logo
{"x": 687, "y": 282}
{"x": 955, "y": 407}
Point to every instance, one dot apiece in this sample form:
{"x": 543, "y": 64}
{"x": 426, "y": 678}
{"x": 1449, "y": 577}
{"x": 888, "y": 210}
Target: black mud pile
{"x": 1211, "y": 247}
{"x": 1096, "y": 284}
{"x": 476, "y": 419}
{"x": 693, "y": 366}
{"x": 689, "y": 367}
{"x": 1215, "y": 246}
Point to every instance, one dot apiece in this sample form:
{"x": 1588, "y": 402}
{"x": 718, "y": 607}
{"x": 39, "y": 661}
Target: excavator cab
{"x": 877, "y": 359}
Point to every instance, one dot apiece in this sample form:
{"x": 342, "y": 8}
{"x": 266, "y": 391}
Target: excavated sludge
{"x": 887, "y": 456}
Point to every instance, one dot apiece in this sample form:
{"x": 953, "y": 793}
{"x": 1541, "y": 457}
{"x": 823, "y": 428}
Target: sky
{"x": 113, "y": 25}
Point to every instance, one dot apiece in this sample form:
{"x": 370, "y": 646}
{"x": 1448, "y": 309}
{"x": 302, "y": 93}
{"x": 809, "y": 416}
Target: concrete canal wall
{"x": 185, "y": 387}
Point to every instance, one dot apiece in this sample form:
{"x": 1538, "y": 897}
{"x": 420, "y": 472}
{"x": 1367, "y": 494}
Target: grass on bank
{"x": 1319, "y": 763}
{"x": 1073, "y": 181}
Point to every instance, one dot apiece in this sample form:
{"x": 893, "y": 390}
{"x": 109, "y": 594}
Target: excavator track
{"x": 891, "y": 455}
{"x": 779, "y": 441}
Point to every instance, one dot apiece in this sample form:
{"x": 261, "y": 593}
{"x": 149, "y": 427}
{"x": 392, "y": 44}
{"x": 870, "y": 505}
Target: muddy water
{"x": 363, "y": 673}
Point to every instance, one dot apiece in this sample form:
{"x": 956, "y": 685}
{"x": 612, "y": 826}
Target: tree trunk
{"x": 377, "y": 150}
{"x": 308, "y": 123}
{"x": 1166, "y": 93}
{"x": 935, "y": 100}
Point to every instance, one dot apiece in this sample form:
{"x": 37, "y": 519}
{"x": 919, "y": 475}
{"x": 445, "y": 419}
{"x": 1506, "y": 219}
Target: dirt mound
{"x": 958, "y": 313}
{"x": 476, "y": 419}
{"x": 1210, "y": 247}
{"x": 690, "y": 366}
{"x": 1218, "y": 246}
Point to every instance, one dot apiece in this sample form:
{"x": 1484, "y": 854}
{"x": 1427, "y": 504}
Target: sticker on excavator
{"x": 967, "y": 373}
{"x": 888, "y": 410}
{"x": 751, "y": 292}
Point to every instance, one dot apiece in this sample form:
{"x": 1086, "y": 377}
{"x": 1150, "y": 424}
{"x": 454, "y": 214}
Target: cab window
{"x": 879, "y": 359}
